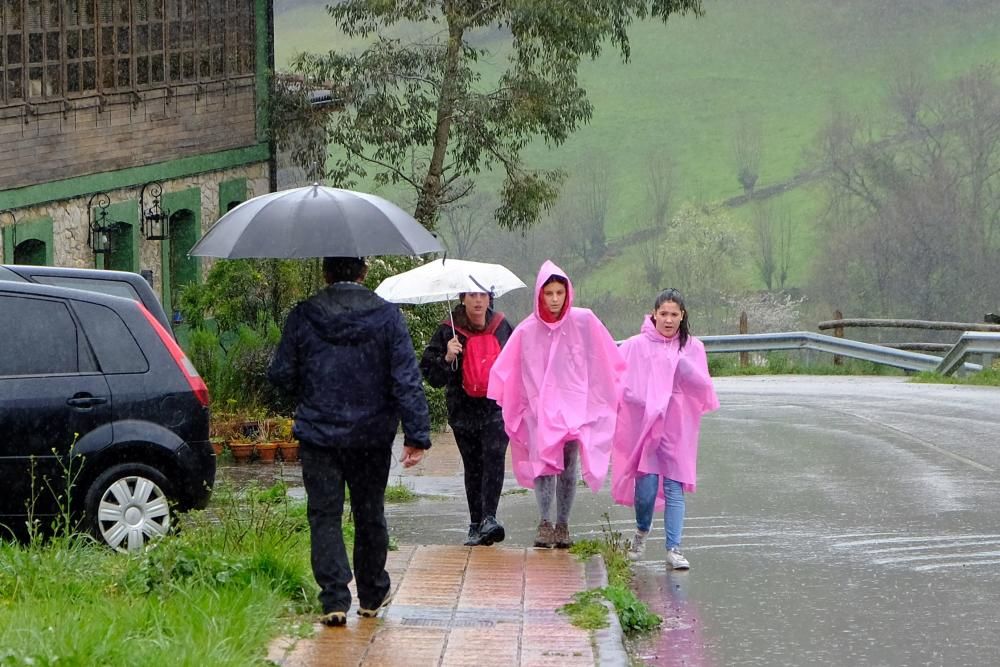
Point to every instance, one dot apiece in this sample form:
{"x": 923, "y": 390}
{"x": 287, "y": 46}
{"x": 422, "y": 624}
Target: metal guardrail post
{"x": 971, "y": 342}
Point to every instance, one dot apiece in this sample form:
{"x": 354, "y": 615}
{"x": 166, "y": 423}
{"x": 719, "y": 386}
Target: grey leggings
{"x": 561, "y": 486}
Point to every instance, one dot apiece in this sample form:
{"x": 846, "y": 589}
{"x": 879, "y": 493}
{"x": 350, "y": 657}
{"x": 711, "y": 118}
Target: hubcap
{"x": 133, "y": 510}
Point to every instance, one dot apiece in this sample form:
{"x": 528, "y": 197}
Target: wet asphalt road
{"x": 837, "y": 521}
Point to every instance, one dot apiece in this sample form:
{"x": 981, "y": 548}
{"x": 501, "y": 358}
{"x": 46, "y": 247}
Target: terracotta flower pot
{"x": 241, "y": 451}
{"x": 289, "y": 451}
{"x": 266, "y": 451}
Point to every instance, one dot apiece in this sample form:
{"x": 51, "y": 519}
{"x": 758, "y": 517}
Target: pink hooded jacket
{"x": 666, "y": 392}
{"x": 557, "y": 382}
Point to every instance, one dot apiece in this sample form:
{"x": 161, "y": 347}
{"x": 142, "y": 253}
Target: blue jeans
{"x": 673, "y": 513}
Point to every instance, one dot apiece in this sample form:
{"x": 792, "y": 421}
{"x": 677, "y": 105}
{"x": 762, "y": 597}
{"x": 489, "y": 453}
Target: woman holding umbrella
{"x": 459, "y": 357}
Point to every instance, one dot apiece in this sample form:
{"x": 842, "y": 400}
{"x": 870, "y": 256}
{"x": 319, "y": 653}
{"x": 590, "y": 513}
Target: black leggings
{"x": 483, "y": 448}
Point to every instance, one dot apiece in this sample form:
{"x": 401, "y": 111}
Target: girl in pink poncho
{"x": 557, "y": 381}
{"x": 667, "y": 390}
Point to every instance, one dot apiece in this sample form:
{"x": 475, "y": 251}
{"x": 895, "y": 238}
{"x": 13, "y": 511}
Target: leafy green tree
{"x": 420, "y": 112}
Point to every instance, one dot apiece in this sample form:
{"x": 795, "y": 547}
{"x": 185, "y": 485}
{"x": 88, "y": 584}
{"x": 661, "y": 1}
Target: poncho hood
{"x": 548, "y": 270}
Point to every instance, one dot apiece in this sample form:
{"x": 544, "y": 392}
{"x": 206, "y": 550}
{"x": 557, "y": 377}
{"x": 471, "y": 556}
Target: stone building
{"x": 127, "y": 127}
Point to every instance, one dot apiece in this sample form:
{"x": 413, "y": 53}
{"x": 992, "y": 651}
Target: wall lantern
{"x": 155, "y": 219}
{"x": 100, "y": 226}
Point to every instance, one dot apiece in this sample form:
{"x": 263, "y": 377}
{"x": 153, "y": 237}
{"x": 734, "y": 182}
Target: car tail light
{"x": 187, "y": 368}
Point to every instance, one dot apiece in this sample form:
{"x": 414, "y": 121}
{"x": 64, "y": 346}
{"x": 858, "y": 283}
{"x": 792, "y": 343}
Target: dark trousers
{"x": 483, "y": 447}
{"x": 365, "y": 472}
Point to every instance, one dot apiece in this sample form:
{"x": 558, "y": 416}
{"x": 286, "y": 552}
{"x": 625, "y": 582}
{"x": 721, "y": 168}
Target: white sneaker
{"x": 637, "y": 547}
{"x": 676, "y": 560}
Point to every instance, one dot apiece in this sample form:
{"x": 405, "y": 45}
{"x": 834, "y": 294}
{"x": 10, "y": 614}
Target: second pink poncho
{"x": 667, "y": 390}
{"x": 556, "y": 382}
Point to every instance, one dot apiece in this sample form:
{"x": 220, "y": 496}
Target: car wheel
{"x": 127, "y": 506}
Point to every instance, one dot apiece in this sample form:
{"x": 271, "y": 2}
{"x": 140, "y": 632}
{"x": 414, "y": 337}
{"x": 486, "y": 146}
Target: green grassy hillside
{"x": 779, "y": 63}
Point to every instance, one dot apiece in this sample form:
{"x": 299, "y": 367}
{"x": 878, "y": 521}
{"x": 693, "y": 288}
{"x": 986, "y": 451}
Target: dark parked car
{"x": 95, "y": 391}
{"x": 116, "y": 283}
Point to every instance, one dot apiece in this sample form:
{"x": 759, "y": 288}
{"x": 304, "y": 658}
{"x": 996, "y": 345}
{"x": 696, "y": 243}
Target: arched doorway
{"x": 120, "y": 258}
{"x": 30, "y": 251}
{"x": 183, "y": 269}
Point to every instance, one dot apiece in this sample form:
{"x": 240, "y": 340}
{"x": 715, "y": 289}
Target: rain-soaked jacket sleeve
{"x": 407, "y": 386}
{"x": 432, "y": 364}
{"x": 283, "y": 372}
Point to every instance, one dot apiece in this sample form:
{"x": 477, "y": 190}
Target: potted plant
{"x": 267, "y": 448}
{"x": 287, "y": 444}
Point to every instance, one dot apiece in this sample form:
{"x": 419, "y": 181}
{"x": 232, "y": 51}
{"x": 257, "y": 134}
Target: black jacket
{"x": 463, "y": 410}
{"x": 347, "y": 356}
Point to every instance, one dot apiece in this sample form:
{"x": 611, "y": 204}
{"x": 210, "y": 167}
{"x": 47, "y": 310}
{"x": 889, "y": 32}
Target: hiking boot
{"x": 676, "y": 559}
{"x": 637, "y": 547}
{"x": 545, "y": 538}
{"x": 561, "y": 536}
{"x": 334, "y": 619}
{"x": 475, "y": 538}
{"x": 491, "y": 531}
{"x": 373, "y": 612}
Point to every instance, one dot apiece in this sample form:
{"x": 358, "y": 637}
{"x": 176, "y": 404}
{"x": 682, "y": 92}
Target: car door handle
{"x": 86, "y": 401}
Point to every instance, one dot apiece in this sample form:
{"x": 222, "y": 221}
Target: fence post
{"x": 744, "y": 329}
{"x": 839, "y": 333}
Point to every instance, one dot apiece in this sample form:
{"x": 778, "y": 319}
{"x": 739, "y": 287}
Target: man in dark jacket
{"x": 346, "y": 355}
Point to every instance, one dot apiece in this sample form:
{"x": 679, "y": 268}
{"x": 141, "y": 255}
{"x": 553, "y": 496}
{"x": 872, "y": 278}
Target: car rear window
{"x": 116, "y": 348}
{"x": 112, "y": 287}
{"x": 41, "y": 338}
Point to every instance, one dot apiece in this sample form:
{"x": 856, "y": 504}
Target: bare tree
{"x": 746, "y": 153}
{"x": 784, "y": 249}
{"x": 764, "y": 244}
{"x": 659, "y": 187}
{"x": 582, "y": 210}
{"x": 912, "y": 220}
{"x": 653, "y": 263}
{"x": 464, "y": 224}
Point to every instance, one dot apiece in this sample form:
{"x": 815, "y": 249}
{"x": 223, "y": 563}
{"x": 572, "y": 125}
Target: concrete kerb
{"x": 609, "y": 642}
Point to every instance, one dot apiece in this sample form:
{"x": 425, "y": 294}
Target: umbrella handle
{"x": 451, "y": 318}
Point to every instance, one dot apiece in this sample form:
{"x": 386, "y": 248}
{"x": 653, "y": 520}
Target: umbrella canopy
{"x": 443, "y": 279}
{"x": 315, "y": 221}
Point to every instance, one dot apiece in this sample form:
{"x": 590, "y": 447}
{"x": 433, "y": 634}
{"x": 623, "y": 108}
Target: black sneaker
{"x": 334, "y": 619}
{"x": 491, "y": 531}
{"x": 373, "y": 612}
{"x": 474, "y": 539}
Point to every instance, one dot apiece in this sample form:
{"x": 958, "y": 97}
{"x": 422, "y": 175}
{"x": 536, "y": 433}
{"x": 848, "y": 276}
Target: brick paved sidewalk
{"x": 481, "y": 606}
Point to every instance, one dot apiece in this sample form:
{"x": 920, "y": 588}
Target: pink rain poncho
{"x": 558, "y": 381}
{"x": 666, "y": 392}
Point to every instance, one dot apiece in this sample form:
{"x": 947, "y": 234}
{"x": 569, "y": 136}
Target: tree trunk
{"x": 428, "y": 202}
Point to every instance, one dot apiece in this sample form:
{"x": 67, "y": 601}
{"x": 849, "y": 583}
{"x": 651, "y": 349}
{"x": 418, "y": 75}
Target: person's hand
{"x": 454, "y": 349}
{"x": 411, "y": 456}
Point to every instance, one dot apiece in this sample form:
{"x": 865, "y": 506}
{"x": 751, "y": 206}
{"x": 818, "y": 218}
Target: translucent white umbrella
{"x": 444, "y": 279}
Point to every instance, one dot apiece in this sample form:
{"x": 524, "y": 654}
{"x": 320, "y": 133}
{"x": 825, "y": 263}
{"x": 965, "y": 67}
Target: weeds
{"x": 985, "y": 378}
{"x": 398, "y": 492}
{"x": 633, "y": 614}
{"x": 210, "y": 594}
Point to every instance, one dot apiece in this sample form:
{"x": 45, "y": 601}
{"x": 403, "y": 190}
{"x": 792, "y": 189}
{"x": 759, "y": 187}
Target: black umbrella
{"x": 316, "y": 221}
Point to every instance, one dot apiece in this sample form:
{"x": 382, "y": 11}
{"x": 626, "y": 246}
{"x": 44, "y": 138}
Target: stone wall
{"x": 70, "y": 219}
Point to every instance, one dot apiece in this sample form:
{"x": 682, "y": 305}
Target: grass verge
{"x": 987, "y": 378}
{"x": 215, "y": 593}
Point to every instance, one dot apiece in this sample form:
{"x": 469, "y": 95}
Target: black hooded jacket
{"x": 347, "y": 356}
{"x": 463, "y": 410}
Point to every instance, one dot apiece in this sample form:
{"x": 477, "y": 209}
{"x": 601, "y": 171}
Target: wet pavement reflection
{"x": 837, "y": 521}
